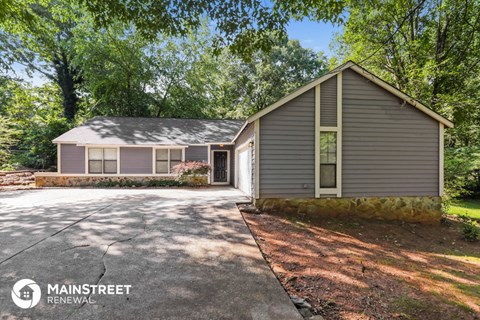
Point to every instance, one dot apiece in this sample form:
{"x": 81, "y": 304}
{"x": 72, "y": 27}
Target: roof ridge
{"x": 168, "y": 118}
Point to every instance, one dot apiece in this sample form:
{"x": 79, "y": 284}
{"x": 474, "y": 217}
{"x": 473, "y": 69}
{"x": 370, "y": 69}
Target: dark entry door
{"x": 220, "y": 166}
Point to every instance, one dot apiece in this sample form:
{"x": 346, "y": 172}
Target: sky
{"x": 314, "y": 35}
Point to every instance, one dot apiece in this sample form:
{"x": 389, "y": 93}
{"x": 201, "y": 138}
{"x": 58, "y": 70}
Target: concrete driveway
{"x": 187, "y": 254}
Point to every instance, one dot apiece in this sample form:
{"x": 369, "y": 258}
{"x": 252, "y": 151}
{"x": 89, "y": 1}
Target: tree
{"x": 248, "y": 87}
{"x": 430, "y": 49}
{"x": 35, "y": 115}
{"x": 44, "y": 45}
{"x": 8, "y": 138}
{"x": 116, "y": 70}
{"x": 244, "y": 25}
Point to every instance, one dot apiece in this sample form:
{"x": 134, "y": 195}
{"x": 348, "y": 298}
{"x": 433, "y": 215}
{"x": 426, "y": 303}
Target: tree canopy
{"x": 243, "y": 25}
{"x": 224, "y": 59}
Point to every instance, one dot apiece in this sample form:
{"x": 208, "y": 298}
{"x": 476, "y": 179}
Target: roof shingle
{"x": 151, "y": 131}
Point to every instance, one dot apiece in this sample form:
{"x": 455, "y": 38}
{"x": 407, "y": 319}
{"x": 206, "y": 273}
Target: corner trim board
{"x": 339, "y": 133}
{"x": 59, "y": 158}
{"x": 317, "y": 141}
{"x": 209, "y": 162}
{"x": 257, "y": 158}
{"x": 441, "y": 149}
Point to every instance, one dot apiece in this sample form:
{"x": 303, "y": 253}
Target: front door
{"x": 220, "y": 166}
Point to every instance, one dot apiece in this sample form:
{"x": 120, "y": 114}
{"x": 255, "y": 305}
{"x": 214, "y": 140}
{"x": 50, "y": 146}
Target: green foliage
{"x": 164, "y": 183}
{"x": 432, "y": 54}
{"x": 470, "y": 229}
{"x": 40, "y": 152}
{"x": 462, "y": 166}
{"x": 243, "y": 88}
{"x": 7, "y": 139}
{"x": 133, "y": 183}
{"x": 244, "y": 25}
{"x": 116, "y": 70}
{"x": 36, "y": 113}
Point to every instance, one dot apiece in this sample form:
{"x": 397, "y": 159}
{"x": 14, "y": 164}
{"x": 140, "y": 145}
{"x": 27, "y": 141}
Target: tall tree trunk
{"x": 66, "y": 80}
{"x": 441, "y": 44}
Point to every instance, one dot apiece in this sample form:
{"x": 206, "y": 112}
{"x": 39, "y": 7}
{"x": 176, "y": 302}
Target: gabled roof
{"x": 151, "y": 131}
{"x": 353, "y": 66}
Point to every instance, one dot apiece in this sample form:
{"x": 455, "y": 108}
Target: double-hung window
{"x": 166, "y": 159}
{"x": 328, "y": 159}
{"x": 102, "y": 160}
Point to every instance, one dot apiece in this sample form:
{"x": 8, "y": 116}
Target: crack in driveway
{"x": 104, "y": 271}
{"x": 74, "y": 247}
{"x": 53, "y": 234}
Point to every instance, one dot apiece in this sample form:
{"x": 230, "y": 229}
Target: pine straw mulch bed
{"x": 361, "y": 269}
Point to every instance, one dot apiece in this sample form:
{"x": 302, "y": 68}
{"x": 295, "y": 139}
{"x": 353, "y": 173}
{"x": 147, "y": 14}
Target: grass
{"x": 470, "y": 208}
{"x": 408, "y": 306}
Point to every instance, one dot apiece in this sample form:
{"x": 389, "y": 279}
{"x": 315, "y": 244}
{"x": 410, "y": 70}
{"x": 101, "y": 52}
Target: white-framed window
{"x": 102, "y": 160}
{"x": 166, "y": 159}
{"x": 328, "y": 159}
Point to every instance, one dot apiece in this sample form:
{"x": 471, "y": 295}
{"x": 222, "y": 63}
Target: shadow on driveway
{"x": 187, "y": 254}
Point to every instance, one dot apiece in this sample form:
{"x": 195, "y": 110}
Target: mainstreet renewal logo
{"x": 26, "y": 293}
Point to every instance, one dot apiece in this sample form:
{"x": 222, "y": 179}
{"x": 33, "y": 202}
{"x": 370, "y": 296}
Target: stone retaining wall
{"x": 411, "y": 209}
{"x": 17, "y": 178}
{"x": 79, "y": 181}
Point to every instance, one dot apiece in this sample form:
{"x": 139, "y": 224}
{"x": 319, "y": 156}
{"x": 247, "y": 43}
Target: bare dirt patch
{"x": 359, "y": 269}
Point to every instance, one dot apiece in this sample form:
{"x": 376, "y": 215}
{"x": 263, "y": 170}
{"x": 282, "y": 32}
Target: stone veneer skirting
{"x": 79, "y": 181}
{"x": 411, "y": 209}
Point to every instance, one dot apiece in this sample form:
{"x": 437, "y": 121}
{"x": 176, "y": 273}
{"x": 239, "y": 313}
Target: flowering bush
{"x": 192, "y": 172}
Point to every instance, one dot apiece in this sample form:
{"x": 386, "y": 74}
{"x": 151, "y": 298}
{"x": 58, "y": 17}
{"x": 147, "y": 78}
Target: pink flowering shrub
{"x": 192, "y": 172}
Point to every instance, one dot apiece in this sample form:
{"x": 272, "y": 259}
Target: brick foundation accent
{"x": 410, "y": 209}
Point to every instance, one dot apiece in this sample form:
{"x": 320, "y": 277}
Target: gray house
{"x": 347, "y": 142}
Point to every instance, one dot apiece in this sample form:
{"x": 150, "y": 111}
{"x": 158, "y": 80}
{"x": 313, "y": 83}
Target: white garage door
{"x": 245, "y": 171}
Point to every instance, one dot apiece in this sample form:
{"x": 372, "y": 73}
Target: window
{"x": 102, "y": 160}
{"x": 166, "y": 159}
{"x": 328, "y": 159}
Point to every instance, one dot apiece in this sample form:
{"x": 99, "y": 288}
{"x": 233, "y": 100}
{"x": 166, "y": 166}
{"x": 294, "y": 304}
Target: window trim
{"x": 154, "y": 159}
{"x": 102, "y": 147}
{"x": 328, "y": 163}
{"x": 338, "y": 129}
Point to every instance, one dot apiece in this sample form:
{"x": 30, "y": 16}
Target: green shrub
{"x": 133, "y": 183}
{"x": 471, "y": 230}
{"x": 462, "y": 173}
{"x": 164, "y": 183}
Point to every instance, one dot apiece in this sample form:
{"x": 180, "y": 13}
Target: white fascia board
{"x": 363, "y": 73}
{"x": 240, "y": 131}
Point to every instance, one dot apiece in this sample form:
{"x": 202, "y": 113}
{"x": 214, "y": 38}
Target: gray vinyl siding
{"x": 136, "y": 160}
{"x": 328, "y": 103}
{"x": 72, "y": 158}
{"x": 196, "y": 153}
{"x": 247, "y": 135}
{"x": 389, "y": 148}
{"x": 287, "y": 149}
